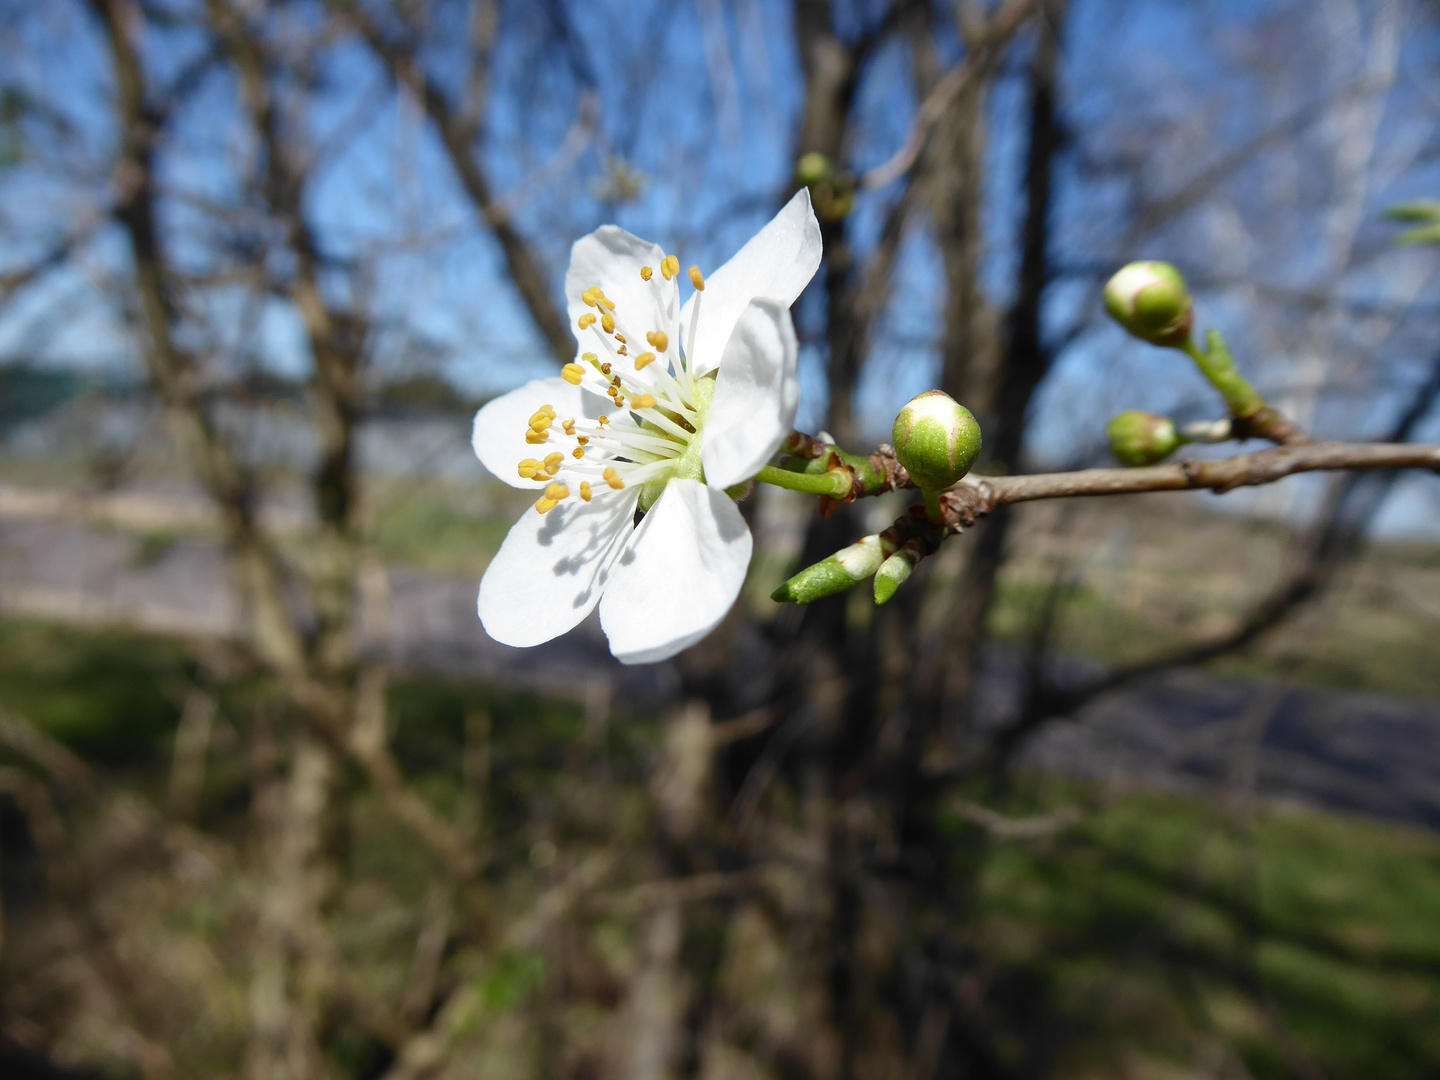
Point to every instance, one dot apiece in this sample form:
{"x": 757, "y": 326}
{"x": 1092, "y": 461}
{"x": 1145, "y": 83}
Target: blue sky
{"x": 701, "y": 101}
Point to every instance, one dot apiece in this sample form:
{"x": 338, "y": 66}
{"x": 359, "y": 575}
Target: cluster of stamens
{"x": 664, "y": 401}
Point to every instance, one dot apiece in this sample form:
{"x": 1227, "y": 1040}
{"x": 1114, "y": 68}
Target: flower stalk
{"x": 836, "y": 482}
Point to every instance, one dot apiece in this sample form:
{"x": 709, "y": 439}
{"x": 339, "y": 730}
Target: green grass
{"x": 110, "y": 696}
{"x": 1159, "y": 927}
{"x": 1156, "y": 934}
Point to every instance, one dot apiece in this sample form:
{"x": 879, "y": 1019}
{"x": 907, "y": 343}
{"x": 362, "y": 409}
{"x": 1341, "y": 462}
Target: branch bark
{"x": 975, "y": 497}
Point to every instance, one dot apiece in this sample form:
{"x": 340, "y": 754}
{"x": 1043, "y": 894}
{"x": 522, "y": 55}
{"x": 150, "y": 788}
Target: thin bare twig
{"x": 1001, "y": 28}
{"x": 975, "y": 497}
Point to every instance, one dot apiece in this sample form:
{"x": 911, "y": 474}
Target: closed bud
{"x": 846, "y": 568}
{"x": 936, "y": 439}
{"x": 1150, "y": 300}
{"x": 1141, "y": 438}
{"x": 813, "y": 168}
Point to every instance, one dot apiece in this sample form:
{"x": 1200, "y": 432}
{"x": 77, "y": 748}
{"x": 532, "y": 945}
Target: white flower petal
{"x": 678, "y": 575}
{"x": 777, "y": 263}
{"x": 611, "y": 258}
{"x": 549, "y": 573}
{"x": 499, "y": 432}
{"x": 756, "y": 395}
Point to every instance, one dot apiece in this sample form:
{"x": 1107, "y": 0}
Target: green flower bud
{"x": 936, "y": 439}
{"x": 893, "y": 573}
{"x": 813, "y": 168}
{"x": 846, "y": 568}
{"x": 1142, "y": 438}
{"x": 1150, "y": 300}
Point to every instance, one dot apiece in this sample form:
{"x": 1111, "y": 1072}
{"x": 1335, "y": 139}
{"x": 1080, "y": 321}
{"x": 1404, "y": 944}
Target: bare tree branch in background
{"x": 1332, "y": 544}
{"x": 459, "y": 131}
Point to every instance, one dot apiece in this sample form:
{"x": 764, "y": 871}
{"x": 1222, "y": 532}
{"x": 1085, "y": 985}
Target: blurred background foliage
{"x": 1141, "y": 787}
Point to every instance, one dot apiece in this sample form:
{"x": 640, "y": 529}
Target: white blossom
{"x": 663, "y": 409}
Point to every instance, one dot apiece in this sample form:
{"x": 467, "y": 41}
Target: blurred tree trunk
{"x": 947, "y": 674}
{"x": 290, "y": 990}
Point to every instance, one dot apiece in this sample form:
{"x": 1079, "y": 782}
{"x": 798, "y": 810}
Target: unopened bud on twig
{"x": 1208, "y": 431}
{"x": 1424, "y": 211}
{"x": 1150, "y": 300}
{"x": 894, "y": 572}
{"x": 813, "y": 168}
{"x": 936, "y": 439}
{"x": 846, "y": 568}
{"x": 1142, "y": 438}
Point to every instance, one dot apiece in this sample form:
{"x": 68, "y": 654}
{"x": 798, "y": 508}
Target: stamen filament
{"x": 660, "y": 420}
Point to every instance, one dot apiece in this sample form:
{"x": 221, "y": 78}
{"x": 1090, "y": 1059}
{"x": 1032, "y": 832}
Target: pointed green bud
{"x": 846, "y": 568}
{"x": 936, "y": 439}
{"x": 1150, "y": 300}
{"x": 813, "y": 168}
{"x": 1142, "y": 438}
{"x": 893, "y": 573}
{"x": 1418, "y": 210}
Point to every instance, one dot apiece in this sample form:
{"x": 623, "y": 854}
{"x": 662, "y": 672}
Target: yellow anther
{"x": 604, "y": 369}
{"x": 586, "y": 321}
{"x": 589, "y": 296}
{"x": 619, "y": 402}
{"x": 556, "y": 491}
{"x": 552, "y": 462}
{"x": 607, "y": 323}
{"x": 578, "y": 452}
{"x": 697, "y": 279}
{"x": 533, "y": 436}
{"x": 585, "y": 484}
{"x": 582, "y": 439}
{"x": 643, "y": 359}
{"x": 545, "y": 412}
{"x": 569, "y": 426}
{"x": 572, "y": 373}
{"x": 602, "y": 420}
{"x": 658, "y": 339}
{"x": 644, "y": 401}
{"x": 604, "y": 301}
{"x": 613, "y": 479}
{"x": 541, "y": 424}
{"x": 645, "y": 273}
{"x": 621, "y": 339}
{"x": 546, "y": 504}
{"x": 622, "y": 351}
{"x": 528, "y": 468}
{"x": 669, "y": 267}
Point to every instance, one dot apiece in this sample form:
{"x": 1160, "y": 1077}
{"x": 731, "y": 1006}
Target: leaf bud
{"x": 1150, "y": 300}
{"x": 846, "y": 568}
{"x": 1141, "y": 438}
{"x": 893, "y": 573}
{"x": 936, "y": 439}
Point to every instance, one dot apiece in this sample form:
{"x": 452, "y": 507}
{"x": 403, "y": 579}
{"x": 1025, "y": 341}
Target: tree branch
{"x": 457, "y": 131}
{"x": 1001, "y": 29}
{"x": 977, "y": 496}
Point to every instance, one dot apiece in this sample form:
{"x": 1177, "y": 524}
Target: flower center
{"x": 654, "y": 433}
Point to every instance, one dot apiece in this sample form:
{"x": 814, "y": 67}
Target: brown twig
{"x": 976, "y": 496}
{"x": 1001, "y": 28}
